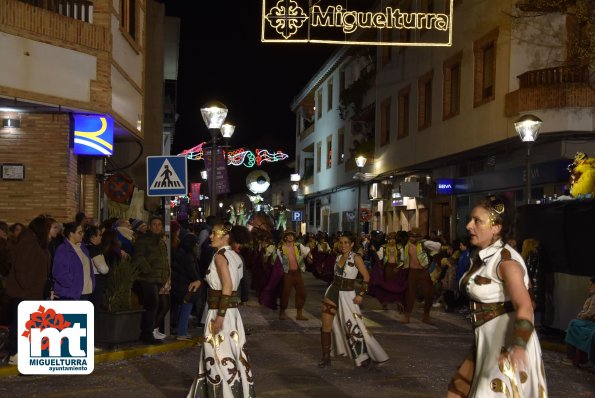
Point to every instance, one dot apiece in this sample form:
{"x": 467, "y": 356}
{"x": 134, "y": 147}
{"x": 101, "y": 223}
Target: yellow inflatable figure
{"x": 582, "y": 175}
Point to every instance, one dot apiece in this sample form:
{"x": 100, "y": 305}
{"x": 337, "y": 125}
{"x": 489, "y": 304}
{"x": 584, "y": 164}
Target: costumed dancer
{"x": 341, "y": 314}
{"x": 324, "y": 259}
{"x": 506, "y": 358}
{"x": 416, "y": 255}
{"x": 262, "y": 266}
{"x": 389, "y": 276}
{"x": 224, "y": 370}
{"x": 292, "y": 256}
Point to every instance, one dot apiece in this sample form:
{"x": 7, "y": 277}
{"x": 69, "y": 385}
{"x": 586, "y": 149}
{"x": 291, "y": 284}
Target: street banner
{"x": 195, "y": 197}
{"x": 222, "y": 181}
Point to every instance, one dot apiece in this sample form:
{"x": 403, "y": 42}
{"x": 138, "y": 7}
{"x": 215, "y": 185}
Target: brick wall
{"x": 51, "y": 179}
{"x": 565, "y": 95}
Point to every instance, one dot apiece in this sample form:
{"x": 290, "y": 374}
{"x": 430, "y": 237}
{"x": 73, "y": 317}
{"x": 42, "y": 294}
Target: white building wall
{"x": 34, "y": 66}
{"x": 126, "y": 100}
{"x": 123, "y": 54}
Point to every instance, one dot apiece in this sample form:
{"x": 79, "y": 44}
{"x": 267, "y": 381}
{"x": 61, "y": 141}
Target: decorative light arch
{"x": 239, "y": 156}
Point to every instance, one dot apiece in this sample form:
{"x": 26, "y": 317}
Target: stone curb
{"x": 123, "y": 353}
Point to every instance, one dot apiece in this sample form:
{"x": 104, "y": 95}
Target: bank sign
{"x": 364, "y": 22}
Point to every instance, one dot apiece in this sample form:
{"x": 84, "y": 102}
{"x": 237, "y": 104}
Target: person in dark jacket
{"x": 28, "y": 274}
{"x": 74, "y": 278}
{"x": 184, "y": 272}
{"x": 151, "y": 255}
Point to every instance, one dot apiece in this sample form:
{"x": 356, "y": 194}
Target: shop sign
{"x": 355, "y": 23}
{"x": 93, "y": 135}
{"x": 445, "y": 186}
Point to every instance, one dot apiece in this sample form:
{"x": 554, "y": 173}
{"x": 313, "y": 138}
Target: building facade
{"x": 443, "y": 117}
{"x": 77, "y": 57}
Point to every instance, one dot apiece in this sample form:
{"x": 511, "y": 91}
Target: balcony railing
{"x": 551, "y": 76}
{"x": 77, "y": 9}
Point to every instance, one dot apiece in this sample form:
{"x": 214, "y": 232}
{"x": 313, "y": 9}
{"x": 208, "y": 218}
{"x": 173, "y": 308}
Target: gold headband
{"x": 496, "y": 208}
{"x": 220, "y": 233}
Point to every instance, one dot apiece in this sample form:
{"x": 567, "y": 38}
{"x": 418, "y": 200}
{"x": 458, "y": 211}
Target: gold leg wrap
{"x": 325, "y": 339}
{"x": 328, "y": 308}
{"x": 460, "y": 384}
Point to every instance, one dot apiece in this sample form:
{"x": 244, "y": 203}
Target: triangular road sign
{"x": 166, "y": 178}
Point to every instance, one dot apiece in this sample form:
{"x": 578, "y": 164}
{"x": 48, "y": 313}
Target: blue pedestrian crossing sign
{"x": 167, "y": 175}
{"x": 296, "y": 216}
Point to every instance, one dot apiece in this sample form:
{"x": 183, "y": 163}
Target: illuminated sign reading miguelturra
{"x": 325, "y": 21}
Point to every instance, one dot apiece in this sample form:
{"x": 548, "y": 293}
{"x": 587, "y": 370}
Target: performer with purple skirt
{"x": 388, "y": 278}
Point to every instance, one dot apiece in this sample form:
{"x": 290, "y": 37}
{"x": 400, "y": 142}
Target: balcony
{"x": 307, "y": 131}
{"x": 59, "y": 22}
{"x": 551, "y": 88}
{"x": 552, "y": 76}
{"x": 77, "y": 9}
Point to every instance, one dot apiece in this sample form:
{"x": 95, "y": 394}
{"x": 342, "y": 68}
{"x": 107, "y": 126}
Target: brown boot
{"x": 406, "y": 317}
{"x": 300, "y": 315}
{"x": 426, "y": 318}
{"x": 282, "y": 315}
{"x": 325, "y": 339}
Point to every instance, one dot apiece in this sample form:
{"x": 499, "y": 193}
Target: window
{"x": 484, "y": 79}
{"x": 319, "y": 104}
{"x": 451, "y": 101}
{"x": 311, "y": 214}
{"x": 428, "y": 6}
{"x": 329, "y": 95}
{"x": 385, "y": 122}
{"x": 386, "y": 50}
{"x": 341, "y": 146}
{"x": 308, "y": 168}
{"x": 128, "y": 17}
{"x": 329, "y": 151}
{"x": 404, "y": 37}
{"x": 318, "y": 157}
{"x": 424, "y": 110}
{"x": 403, "y": 127}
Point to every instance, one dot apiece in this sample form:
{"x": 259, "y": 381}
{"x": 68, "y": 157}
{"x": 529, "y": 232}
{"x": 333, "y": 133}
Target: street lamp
{"x": 527, "y": 127}
{"x": 214, "y": 113}
{"x": 203, "y": 174}
{"x": 295, "y": 181}
{"x": 360, "y": 162}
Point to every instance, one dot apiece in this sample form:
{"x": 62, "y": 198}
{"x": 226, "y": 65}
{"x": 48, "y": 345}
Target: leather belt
{"x": 215, "y": 295}
{"x": 343, "y": 283}
{"x": 484, "y": 312}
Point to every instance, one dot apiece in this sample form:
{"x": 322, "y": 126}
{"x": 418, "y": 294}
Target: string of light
{"x": 240, "y": 156}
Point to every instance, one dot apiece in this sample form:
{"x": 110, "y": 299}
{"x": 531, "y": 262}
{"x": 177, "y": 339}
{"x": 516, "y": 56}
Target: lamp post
{"x": 204, "y": 174}
{"x": 213, "y": 114}
{"x": 527, "y": 127}
{"x": 360, "y": 162}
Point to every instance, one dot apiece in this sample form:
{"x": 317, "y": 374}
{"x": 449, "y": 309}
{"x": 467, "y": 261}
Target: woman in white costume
{"x": 224, "y": 370}
{"x": 506, "y": 361}
{"x": 341, "y": 314}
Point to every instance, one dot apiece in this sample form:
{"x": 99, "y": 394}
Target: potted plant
{"x": 118, "y": 322}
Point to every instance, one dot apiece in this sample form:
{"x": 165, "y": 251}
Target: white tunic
{"x": 224, "y": 370}
{"x": 349, "y": 334}
{"x": 491, "y": 377}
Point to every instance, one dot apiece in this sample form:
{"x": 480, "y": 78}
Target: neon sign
{"x": 93, "y": 135}
{"x": 240, "y": 156}
{"x": 298, "y": 21}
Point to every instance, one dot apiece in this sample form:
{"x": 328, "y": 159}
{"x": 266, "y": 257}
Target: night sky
{"x": 222, "y": 58}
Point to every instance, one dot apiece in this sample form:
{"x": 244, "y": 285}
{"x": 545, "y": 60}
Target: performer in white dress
{"x": 506, "y": 361}
{"x": 341, "y": 313}
{"x": 224, "y": 370}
